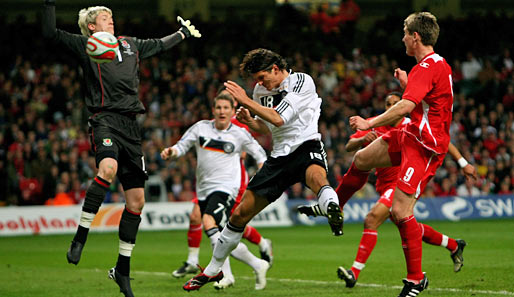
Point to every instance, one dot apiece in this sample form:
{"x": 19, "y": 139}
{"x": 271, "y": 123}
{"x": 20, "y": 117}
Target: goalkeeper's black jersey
{"x": 110, "y": 86}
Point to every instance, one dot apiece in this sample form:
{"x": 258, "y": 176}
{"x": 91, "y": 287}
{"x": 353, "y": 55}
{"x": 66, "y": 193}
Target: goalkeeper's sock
{"x": 352, "y": 181}
{"x": 252, "y": 235}
{"x": 366, "y": 246}
{"x": 433, "y": 237}
{"x": 95, "y": 195}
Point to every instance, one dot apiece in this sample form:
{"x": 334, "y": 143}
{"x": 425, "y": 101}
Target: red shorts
{"x": 419, "y": 164}
{"x": 386, "y": 196}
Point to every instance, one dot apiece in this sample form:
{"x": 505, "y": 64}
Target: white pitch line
{"x": 308, "y": 281}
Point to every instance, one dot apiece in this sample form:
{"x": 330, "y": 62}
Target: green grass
{"x": 306, "y": 259}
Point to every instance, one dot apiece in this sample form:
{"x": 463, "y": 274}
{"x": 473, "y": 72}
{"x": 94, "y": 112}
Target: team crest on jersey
{"x": 125, "y": 44}
{"x": 228, "y": 147}
{"x": 107, "y": 142}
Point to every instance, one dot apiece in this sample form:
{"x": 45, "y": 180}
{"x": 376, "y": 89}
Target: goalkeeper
{"x": 111, "y": 95}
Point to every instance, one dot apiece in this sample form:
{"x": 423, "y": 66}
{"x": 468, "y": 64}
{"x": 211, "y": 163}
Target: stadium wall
{"x": 34, "y": 220}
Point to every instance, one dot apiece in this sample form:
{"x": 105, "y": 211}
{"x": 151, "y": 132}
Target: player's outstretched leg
{"x": 94, "y": 197}
{"x": 455, "y": 246}
{"x": 411, "y": 289}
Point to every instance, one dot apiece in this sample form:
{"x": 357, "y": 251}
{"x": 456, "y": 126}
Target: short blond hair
{"x": 88, "y": 16}
{"x": 425, "y": 24}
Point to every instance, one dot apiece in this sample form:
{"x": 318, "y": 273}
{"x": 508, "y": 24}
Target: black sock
{"x": 95, "y": 195}
{"x": 129, "y": 225}
{"x": 123, "y": 265}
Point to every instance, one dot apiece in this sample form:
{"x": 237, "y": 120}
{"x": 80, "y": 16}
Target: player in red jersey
{"x": 194, "y": 234}
{"x": 385, "y": 186}
{"x": 419, "y": 148}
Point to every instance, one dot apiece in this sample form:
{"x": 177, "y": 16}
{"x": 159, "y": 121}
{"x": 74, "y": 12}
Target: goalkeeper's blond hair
{"x": 88, "y": 16}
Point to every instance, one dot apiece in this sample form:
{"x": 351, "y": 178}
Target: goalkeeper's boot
{"x": 347, "y": 275}
{"x": 457, "y": 258}
{"x": 123, "y": 282}
{"x": 201, "y": 279}
{"x": 412, "y": 290}
{"x": 335, "y": 218}
{"x": 185, "y": 269}
{"x": 74, "y": 252}
{"x": 311, "y": 210}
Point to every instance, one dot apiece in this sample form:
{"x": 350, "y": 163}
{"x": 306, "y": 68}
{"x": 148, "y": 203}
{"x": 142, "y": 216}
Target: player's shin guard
{"x": 129, "y": 225}
{"x": 95, "y": 195}
{"x": 352, "y": 181}
{"x": 411, "y": 244}
{"x": 228, "y": 240}
{"x": 433, "y": 237}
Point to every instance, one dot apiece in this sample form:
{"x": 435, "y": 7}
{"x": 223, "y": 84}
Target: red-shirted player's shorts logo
{"x": 107, "y": 142}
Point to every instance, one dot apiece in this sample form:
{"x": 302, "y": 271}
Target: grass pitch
{"x": 306, "y": 259}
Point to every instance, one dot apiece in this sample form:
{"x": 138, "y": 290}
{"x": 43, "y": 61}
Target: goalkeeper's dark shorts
{"x": 278, "y": 174}
{"x": 119, "y": 137}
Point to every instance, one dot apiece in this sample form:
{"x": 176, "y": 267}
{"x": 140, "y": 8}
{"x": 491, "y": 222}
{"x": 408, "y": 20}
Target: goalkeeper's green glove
{"x": 187, "y": 28}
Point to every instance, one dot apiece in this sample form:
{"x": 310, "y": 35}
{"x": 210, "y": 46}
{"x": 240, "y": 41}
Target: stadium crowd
{"x": 45, "y": 155}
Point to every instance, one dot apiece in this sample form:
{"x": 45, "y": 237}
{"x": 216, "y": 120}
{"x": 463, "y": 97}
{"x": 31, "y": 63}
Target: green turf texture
{"x": 306, "y": 259}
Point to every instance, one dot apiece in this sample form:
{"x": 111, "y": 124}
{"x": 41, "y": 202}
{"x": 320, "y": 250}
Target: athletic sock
{"x": 252, "y": 235}
{"x": 242, "y": 253}
{"x": 326, "y": 195}
{"x": 410, "y": 233}
{"x": 95, "y": 195}
{"x": 129, "y": 225}
{"x": 433, "y": 237}
{"x": 214, "y": 235}
{"x": 352, "y": 181}
{"x": 228, "y": 240}
{"x": 366, "y": 246}
{"x": 194, "y": 238}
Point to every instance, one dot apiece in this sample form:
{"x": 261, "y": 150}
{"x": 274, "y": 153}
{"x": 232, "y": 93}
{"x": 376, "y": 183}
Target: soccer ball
{"x": 102, "y": 47}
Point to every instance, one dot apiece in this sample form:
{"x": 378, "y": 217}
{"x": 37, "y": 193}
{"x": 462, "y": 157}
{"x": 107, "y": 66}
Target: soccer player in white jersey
{"x": 286, "y": 105}
{"x": 219, "y": 145}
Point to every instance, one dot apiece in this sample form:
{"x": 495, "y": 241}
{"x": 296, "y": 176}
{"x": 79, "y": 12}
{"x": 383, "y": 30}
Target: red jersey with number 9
{"x": 430, "y": 87}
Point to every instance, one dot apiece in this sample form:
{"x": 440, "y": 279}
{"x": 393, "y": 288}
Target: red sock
{"x": 194, "y": 235}
{"x": 352, "y": 181}
{"x": 433, "y": 237}
{"x": 252, "y": 235}
{"x": 410, "y": 232}
{"x": 366, "y": 246}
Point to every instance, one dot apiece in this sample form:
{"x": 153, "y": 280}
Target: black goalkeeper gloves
{"x": 186, "y": 28}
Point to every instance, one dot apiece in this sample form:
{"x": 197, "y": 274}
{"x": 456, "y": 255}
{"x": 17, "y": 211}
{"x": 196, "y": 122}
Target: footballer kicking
{"x": 219, "y": 145}
{"x": 285, "y": 104}
{"x": 385, "y": 185}
{"x": 111, "y": 95}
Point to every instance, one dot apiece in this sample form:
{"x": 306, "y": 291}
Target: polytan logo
{"x": 108, "y": 216}
{"x": 457, "y": 209}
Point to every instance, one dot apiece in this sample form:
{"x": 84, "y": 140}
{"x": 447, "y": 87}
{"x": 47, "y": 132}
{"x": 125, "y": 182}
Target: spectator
{"x": 468, "y": 189}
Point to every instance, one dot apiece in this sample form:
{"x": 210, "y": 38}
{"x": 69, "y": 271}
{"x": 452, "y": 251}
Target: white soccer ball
{"x": 102, "y": 47}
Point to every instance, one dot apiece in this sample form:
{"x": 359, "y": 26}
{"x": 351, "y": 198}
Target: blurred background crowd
{"x": 45, "y": 155}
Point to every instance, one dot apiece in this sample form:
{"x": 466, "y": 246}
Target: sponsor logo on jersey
{"x": 107, "y": 142}
{"x": 424, "y": 64}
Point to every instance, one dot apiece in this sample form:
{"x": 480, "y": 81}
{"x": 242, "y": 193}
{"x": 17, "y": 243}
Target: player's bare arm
{"x": 389, "y": 117}
{"x": 266, "y": 113}
{"x": 470, "y": 172}
{"x": 356, "y": 143}
{"x": 401, "y": 75}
